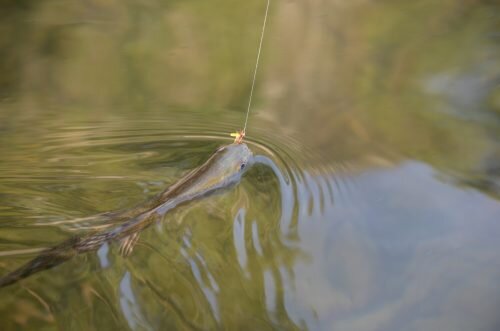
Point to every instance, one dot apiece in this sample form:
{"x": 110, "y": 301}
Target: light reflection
{"x": 286, "y": 189}
{"x": 102, "y": 253}
{"x": 270, "y": 292}
{"x": 256, "y": 240}
{"x": 209, "y": 292}
{"x": 365, "y": 213}
{"x": 131, "y": 309}
{"x": 239, "y": 240}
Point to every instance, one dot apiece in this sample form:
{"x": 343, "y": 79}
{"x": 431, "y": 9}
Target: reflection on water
{"x": 372, "y": 204}
{"x": 380, "y": 249}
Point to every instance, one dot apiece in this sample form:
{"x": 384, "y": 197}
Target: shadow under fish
{"x": 221, "y": 170}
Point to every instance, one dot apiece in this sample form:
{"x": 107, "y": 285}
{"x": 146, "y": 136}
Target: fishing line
{"x": 256, "y": 66}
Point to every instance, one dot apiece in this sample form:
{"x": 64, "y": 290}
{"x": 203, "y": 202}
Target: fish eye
{"x": 242, "y": 166}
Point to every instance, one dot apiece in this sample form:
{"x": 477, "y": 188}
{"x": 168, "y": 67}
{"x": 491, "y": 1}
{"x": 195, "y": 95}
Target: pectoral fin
{"x": 127, "y": 244}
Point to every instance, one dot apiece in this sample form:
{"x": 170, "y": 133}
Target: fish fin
{"x": 127, "y": 244}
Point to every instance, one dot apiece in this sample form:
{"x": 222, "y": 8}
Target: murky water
{"x": 374, "y": 204}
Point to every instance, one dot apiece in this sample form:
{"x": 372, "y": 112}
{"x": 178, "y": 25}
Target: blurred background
{"x": 376, "y": 210}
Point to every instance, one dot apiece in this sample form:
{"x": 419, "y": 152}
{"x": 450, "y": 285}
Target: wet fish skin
{"x": 222, "y": 169}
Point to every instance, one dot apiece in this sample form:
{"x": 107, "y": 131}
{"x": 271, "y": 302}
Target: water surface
{"x": 374, "y": 204}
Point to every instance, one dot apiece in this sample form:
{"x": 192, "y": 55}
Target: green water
{"x": 376, "y": 204}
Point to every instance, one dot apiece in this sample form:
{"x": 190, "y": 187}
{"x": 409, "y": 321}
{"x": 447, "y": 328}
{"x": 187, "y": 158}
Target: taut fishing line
{"x": 240, "y": 135}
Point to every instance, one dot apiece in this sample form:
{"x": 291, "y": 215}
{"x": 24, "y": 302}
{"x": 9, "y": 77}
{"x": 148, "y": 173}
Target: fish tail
{"x": 41, "y": 262}
{"x": 66, "y": 250}
{"x": 45, "y": 260}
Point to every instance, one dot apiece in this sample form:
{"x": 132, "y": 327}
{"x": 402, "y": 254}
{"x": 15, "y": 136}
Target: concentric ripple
{"x": 297, "y": 239}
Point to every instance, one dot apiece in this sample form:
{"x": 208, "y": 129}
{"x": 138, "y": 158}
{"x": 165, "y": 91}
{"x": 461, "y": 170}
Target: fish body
{"x": 222, "y": 169}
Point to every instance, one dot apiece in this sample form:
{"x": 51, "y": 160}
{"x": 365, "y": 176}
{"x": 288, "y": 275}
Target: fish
{"x": 223, "y": 169}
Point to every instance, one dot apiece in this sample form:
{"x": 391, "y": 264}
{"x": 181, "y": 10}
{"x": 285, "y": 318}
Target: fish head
{"x": 234, "y": 159}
